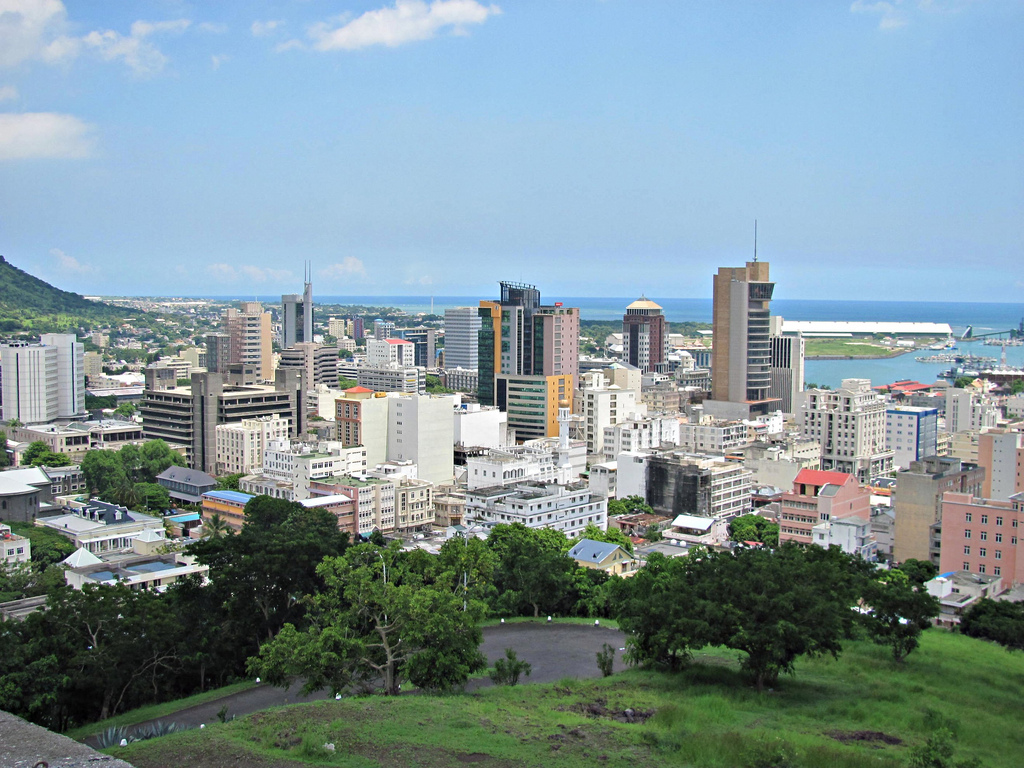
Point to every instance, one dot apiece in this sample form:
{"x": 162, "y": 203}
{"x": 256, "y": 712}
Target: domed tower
{"x": 644, "y": 335}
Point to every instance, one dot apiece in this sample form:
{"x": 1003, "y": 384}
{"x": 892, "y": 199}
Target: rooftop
{"x": 236, "y": 496}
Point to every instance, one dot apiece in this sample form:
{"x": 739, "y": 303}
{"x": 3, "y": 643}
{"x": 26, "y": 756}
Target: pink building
{"x": 820, "y": 497}
{"x": 983, "y": 536}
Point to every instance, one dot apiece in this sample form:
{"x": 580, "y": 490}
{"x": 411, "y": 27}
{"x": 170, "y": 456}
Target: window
{"x": 984, "y": 519}
{"x": 999, "y": 538}
{"x": 999, "y": 554}
{"x": 997, "y": 571}
{"x": 999, "y": 521}
{"x": 981, "y": 568}
{"x": 967, "y": 566}
{"x": 967, "y": 550}
{"x": 967, "y": 533}
{"x": 982, "y": 552}
{"x": 968, "y": 517}
{"x": 983, "y": 535}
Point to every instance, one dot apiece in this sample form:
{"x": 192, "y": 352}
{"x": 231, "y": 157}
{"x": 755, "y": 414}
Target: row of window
{"x": 983, "y": 552}
{"x": 996, "y": 570}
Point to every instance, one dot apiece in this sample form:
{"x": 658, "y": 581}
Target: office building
{"x": 362, "y": 418}
{"x": 741, "y": 351}
{"x": 250, "y": 343}
{"x": 388, "y": 352}
{"x": 565, "y": 508}
{"x": 218, "y": 352}
{"x": 1001, "y": 454}
{"x": 240, "y": 446}
{"x": 526, "y": 349}
{"x": 392, "y": 378}
{"x": 917, "y": 503}
{"x": 787, "y": 367}
{"x": 187, "y": 417}
{"x": 461, "y": 332}
{"x": 383, "y": 329}
{"x": 984, "y": 537}
{"x": 911, "y": 433}
{"x": 849, "y": 423}
{"x": 421, "y": 429}
{"x": 644, "y": 335}
{"x": 968, "y": 409}
{"x": 297, "y": 315}
{"x": 819, "y": 498}
{"x": 289, "y": 468}
{"x": 423, "y": 341}
{"x": 45, "y": 381}
{"x": 320, "y": 363}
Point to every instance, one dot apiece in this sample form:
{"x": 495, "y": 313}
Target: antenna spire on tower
{"x": 755, "y": 241}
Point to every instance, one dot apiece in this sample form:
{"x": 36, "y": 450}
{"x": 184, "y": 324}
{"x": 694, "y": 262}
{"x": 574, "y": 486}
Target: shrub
{"x": 507, "y": 670}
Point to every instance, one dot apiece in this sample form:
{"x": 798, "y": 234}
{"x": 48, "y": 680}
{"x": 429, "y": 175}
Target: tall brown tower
{"x": 741, "y": 355}
{"x": 644, "y": 335}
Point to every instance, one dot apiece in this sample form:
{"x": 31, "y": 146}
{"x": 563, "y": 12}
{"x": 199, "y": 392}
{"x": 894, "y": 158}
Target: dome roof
{"x": 643, "y": 303}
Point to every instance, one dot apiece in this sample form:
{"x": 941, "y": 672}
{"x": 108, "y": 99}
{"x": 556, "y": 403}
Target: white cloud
{"x": 213, "y": 29}
{"x": 33, "y": 135}
{"x": 8, "y": 92}
{"x": 228, "y": 273}
{"x": 264, "y": 28}
{"x": 135, "y": 50}
{"x": 890, "y": 15}
{"x": 217, "y": 59}
{"x": 422, "y": 280}
{"x": 405, "y": 22}
{"x": 70, "y": 263}
{"x": 347, "y": 267}
{"x": 33, "y": 29}
{"x": 222, "y": 272}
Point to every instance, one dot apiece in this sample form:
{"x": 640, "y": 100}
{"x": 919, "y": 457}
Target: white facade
{"x": 13, "y": 548}
{"x": 386, "y": 352}
{"x": 480, "y": 426}
{"x": 421, "y": 428}
{"x": 288, "y": 468}
{"x": 713, "y": 436}
{"x": 911, "y": 433}
{"x": 240, "y": 445}
{"x": 392, "y": 379}
{"x": 601, "y": 406}
{"x": 43, "y": 382}
{"x": 565, "y": 508}
{"x": 851, "y": 534}
{"x": 849, "y": 423}
{"x": 967, "y": 409}
{"x": 640, "y": 434}
{"x": 461, "y": 327}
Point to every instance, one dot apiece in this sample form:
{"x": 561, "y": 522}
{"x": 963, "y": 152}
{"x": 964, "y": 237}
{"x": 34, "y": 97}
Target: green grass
{"x": 154, "y": 711}
{"x": 848, "y": 347}
{"x": 707, "y": 716}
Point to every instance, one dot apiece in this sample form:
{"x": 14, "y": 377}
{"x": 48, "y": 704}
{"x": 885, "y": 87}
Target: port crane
{"x": 1013, "y": 333}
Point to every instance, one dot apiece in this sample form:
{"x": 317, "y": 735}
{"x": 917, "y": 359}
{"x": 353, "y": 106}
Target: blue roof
{"x": 592, "y": 551}
{"x": 236, "y": 496}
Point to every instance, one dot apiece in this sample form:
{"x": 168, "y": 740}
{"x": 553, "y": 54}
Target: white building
{"x": 288, "y": 468}
{"x": 421, "y": 429}
{"x": 911, "y": 433}
{"x": 601, "y": 405}
{"x": 461, "y": 328}
{"x": 968, "y": 409}
{"x": 13, "y": 548}
{"x": 481, "y": 426}
{"x": 45, "y": 381}
{"x": 409, "y": 379}
{"x": 240, "y": 445}
{"x": 852, "y": 534}
{"x": 386, "y": 352}
{"x": 709, "y": 435}
{"x": 640, "y": 434}
{"x": 849, "y": 423}
{"x": 565, "y": 508}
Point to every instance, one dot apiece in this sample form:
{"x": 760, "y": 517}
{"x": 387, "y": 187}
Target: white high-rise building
{"x": 849, "y": 422}
{"x": 240, "y": 446}
{"x": 421, "y": 428}
{"x": 461, "y": 334}
{"x": 45, "y": 381}
{"x": 911, "y": 433}
{"x": 787, "y": 367}
{"x": 601, "y": 405}
{"x": 385, "y": 352}
{"x": 967, "y": 409}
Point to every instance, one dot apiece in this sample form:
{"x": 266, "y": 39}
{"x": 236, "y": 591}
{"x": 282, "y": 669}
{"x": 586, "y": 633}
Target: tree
{"x": 376, "y": 620}
{"x": 38, "y": 454}
{"x": 103, "y": 471}
{"x": 217, "y": 526}
{"x": 346, "y": 383}
{"x": 631, "y": 505}
{"x": 126, "y": 410}
{"x": 963, "y": 381}
{"x": 997, "y": 620}
{"x": 754, "y": 528}
{"x": 435, "y": 387}
{"x": 156, "y": 456}
{"x": 613, "y": 535}
{"x": 532, "y": 571}
{"x": 229, "y": 482}
{"x": 900, "y": 611}
{"x": 5, "y": 459}
{"x": 508, "y": 670}
{"x": 919, "y": 571}
{"x": 153, "y": 497}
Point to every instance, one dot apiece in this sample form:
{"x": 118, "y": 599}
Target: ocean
{"x": 983, "y": 317}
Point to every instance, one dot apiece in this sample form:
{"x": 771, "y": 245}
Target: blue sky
{"x": 591, "y": 147}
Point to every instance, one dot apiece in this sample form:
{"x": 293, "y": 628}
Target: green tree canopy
{"x": 38, "y": 454}
{"x": 153, "y": 497}
{"x": 899, "y": 611}
{"x": 533, "y": 572}
{"x": 919, "y": 571}
{"x": 613, "y": 535}
{"x": 631, "y": 505}
{"x": 754, "y": 528}
{"x": 997, "y": 620}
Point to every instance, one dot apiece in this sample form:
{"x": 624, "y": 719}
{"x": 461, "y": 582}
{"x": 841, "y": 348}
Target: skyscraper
{"x": 297, "y": 315}
{"x": 525, "y": 347}
{"x": 741, "y": 355}
{"x": 249, "y": 332}
{"x": 644, "y": 335}
{"x": 43, "y": 382}
{"x": 787, "y": 371}
{"x": 461, "y": 331}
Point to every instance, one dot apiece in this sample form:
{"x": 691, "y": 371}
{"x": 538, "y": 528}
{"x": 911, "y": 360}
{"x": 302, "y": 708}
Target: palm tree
{"x": 216, "y": 526}
{"x": 128, "y": 495}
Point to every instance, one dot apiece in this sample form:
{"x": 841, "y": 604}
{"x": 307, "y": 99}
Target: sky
{"x": 591, "y": 147}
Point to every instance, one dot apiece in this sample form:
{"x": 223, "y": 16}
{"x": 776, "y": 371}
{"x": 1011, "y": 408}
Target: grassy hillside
{"x": 861, "y": 710}
{"x": 30, "y": 304}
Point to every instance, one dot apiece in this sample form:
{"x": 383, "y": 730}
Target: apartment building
{"x": 983, "y": 536}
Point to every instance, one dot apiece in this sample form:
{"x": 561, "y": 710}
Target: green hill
{"x": 28, "y": 304}
{"x": 858, "y": 710}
